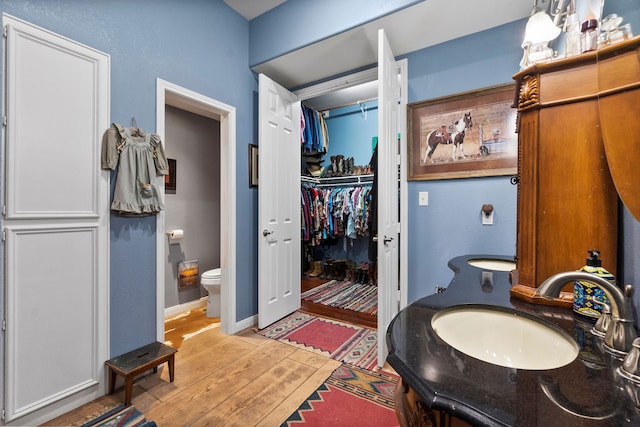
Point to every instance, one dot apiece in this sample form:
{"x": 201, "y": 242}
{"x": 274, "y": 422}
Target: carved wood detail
{"x": 529, "y": 94}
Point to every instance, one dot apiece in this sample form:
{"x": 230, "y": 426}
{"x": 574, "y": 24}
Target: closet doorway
{"x": 338, "y": 255}
{"x": 391, "y": 76}
{"x": 169, "y": 94}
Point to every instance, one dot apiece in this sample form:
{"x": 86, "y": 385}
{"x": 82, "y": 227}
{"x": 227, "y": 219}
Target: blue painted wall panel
{"x": 299, "y": 23}
{"x": 351, "y": 132}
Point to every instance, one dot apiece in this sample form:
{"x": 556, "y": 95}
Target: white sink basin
{"x": 504, "y": 337}
{"x": 493, "y": 264}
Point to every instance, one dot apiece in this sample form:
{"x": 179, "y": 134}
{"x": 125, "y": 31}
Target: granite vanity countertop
{"x": 587, "y": 392}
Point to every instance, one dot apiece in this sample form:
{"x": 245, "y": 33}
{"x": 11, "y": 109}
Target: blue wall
{"x": 179, "y": 42}
{"x": 451, "y": 224}
{"x": 298, "y": 23}
{"x": 350, "y": 132}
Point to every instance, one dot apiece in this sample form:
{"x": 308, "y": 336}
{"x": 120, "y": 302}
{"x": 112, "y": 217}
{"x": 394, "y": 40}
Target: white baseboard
{"x": 172, "y": 311}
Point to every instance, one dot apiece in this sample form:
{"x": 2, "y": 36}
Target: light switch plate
{"x": 423, "y": 198}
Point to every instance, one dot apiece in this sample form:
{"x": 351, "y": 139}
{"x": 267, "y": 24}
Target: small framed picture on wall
{"x": 253, "y": 165}
{"x": 170, "y": 179}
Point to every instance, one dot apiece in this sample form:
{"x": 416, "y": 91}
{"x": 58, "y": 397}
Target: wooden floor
{"x": 231, "y": 380}
{"x": 354, "y": 317}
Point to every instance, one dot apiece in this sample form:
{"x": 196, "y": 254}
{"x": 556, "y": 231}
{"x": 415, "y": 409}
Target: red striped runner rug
{"x": 337, "y": 340}
{"x": 346, "y": 295}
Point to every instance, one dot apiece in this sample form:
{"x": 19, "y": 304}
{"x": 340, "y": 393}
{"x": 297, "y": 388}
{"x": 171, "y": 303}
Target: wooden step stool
{"x": 135, "y": 362}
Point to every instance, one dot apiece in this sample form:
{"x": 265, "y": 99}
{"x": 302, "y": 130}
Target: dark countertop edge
{"x": 438, "y": 402}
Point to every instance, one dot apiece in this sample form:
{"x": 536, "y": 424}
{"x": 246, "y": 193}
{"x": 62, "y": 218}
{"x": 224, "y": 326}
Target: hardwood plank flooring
{"x": 232, "y": 380}
{"x": 354, "y": 317}
{"x": 243, "y": 379}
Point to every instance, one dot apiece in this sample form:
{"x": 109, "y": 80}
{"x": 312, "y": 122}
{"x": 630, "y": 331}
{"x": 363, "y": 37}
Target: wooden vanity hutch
{"x": 578, "y": 126}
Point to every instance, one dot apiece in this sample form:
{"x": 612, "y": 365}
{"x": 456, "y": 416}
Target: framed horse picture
{"x": 465, "y": 135}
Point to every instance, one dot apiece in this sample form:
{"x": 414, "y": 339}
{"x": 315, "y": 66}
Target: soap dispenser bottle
{"x": 585, "y": 292}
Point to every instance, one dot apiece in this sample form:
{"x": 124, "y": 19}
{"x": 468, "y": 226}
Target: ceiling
{"x": 425, "y": 24}
{"x": 252, "y": 8}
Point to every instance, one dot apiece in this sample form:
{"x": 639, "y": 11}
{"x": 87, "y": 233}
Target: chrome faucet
{"x": 621, "y": 331}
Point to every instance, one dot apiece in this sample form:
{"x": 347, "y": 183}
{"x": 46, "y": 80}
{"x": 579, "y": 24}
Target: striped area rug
{"x": 346, "y": 295}
{"x": 340, "y": 341}
{"x": 118, "y": 416}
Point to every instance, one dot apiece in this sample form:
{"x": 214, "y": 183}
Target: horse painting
{"x": 452, "y": 134}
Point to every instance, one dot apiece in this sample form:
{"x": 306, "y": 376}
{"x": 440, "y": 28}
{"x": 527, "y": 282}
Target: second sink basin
{"x": 504, "y": 337}
{"x": 492, "y": 264}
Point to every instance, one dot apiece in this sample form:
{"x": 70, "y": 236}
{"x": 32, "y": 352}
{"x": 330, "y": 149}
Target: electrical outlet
{"x": 487, "y": 219}
{"x": 423, "y": 198}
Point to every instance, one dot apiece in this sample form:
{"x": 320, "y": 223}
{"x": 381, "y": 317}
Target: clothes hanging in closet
{"x": 313, "y": 131}
{"x": 329, "y": 213}
{"x": 373, "y": 218}
{"x": 139, "y": 158}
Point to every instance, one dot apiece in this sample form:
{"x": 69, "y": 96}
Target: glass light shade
{"x": 540, "y": 29}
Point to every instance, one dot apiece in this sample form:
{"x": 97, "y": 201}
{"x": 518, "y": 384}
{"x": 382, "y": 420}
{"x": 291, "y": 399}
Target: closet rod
{"x": 339, "y": 180}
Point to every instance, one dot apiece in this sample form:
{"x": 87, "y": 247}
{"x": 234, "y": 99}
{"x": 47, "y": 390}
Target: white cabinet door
{"x": 388, "y": 200}
{"x": 279, "y": 247}
{"x": 56, "y": 224}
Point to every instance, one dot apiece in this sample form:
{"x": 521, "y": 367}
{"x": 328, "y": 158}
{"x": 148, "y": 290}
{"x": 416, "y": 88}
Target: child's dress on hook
{"x": 139, "y": 159}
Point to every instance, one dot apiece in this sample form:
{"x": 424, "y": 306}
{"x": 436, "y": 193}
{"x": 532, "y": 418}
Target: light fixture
{"x": 539, "y": 31}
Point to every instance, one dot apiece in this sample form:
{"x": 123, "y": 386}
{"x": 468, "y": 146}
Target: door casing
{"x": 171, "y": 94}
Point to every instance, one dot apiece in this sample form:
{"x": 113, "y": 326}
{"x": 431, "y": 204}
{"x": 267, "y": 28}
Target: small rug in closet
{"x": 346, "y": 295}
{"x": 119, "y": 416}
{"x": 349, "y": 397}
{"x": 337, "y": 340}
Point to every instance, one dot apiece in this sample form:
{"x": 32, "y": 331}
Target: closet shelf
{"x": 339, "y": 180}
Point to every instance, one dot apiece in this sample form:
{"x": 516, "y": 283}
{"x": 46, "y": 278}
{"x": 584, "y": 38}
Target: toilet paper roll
{"x": 175, "y": 234}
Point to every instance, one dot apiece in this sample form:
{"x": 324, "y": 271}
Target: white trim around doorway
{"x": 170, "y": 94}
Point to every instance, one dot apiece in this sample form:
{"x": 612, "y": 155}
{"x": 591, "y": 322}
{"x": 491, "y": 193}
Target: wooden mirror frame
{"x": 619, "y": 92}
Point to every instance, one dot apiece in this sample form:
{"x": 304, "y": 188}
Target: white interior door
{"x": 56, "y": 223}
{"x": 278, "y": 203}
{"x": 388, "y": 226}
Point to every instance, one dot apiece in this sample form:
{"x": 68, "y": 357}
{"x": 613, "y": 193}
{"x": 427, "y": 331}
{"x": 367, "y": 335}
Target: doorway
{"x": 346, "y": 90}
{"x": 338, "y": 258}
{"x": 278, "y": 107}
{"x": 169, "y": 94}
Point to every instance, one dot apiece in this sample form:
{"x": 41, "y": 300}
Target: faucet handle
{"x": 621, "y": 336}
{"x": 628, "y": 290}
{"x": 604, "y": 321}
{"x": 631, "y": 365}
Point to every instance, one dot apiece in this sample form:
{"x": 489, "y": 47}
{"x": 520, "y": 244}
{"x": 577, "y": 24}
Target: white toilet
{"x": 211, "y": 280}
